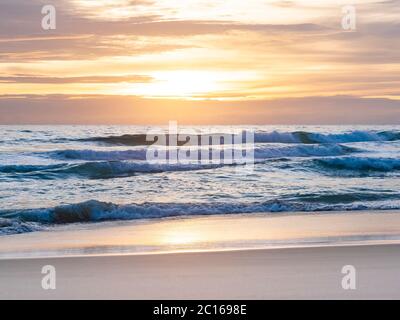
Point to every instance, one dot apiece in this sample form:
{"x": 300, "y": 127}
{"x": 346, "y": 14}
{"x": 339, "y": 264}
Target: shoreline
{"x": 203, "y": 234}
{"x": 232, "y": 272}
{"x": 300, "y": 273}
{"x": 366, "y": 243}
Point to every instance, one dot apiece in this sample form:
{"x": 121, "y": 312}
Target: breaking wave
{"x": 263, "y": 137}
{"x": 359, "y": 164}
{"x": 263, "y": 152}
{"x": 114, "y": 164}
{"x": 15, "y": 226}
{"x": 313, "y": 137}
{"x": 26, "y": 220}
{"x": 98, "y": 170}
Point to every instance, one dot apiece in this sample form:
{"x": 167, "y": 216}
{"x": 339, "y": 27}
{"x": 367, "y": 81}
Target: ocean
{"x": 52, "y": 175}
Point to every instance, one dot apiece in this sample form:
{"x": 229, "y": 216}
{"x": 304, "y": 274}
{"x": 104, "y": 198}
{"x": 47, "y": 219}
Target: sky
{"x": 200, "y": 62}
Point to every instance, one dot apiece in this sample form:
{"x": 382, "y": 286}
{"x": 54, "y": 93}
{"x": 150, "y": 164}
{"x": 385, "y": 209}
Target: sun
{"x": 179, "y": 84}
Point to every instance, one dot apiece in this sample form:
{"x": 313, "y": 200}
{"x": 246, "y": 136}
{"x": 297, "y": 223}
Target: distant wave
{"x": 114, "y": 164}
{"x": 346, "y": 198}
{"x": 302, "y": 150}
{"x": 126, "y": 139}
{"x": 265, "y": 137}
{"x": 96, "y": 155}
{"x": 143, "y": 140}
{"x": 360, "y": 164}
{"x": 27, "y": 220}
{"x": 98, "y": 170}
{"x": 264, "y": 152}
{"x": 313, "y": 137}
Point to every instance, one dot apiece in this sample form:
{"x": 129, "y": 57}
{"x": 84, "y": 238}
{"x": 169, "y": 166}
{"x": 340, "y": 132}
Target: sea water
{"x": 51, "y": 175}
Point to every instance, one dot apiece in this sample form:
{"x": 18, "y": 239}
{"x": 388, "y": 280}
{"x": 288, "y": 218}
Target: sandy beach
{"x": 231, "y": 257}
{"x": 302, "y": 273}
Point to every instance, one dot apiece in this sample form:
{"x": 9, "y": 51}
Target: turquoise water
{"x": 65, "y": 174}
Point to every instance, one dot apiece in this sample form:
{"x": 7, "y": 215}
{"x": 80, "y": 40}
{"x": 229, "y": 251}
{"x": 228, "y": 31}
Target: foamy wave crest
{"x": 15, "y": 226}
{"x": 92, "y": 211}
{"x": 99, "y": 170}
{"x": 303, "y": 151}
{"x": 313, "y": 137}
{"x": 263, "y": 137}
{"x": 114, "y": 164}
{"x": 263, "y": 152}
{"x": 95, "y": 211}
{"x": 359, "y": 164}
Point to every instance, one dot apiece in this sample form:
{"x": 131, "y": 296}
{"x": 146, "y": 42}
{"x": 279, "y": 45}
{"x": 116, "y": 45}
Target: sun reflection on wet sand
{"x": 204, "y": 234}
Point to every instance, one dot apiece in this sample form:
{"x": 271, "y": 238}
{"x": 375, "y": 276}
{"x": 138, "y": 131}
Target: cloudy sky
{"x": 199, "y": 61}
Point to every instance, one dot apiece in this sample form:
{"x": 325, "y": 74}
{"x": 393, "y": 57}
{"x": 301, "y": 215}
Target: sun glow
{"x": 182, "y": 84}
{"x": 180, "y": 238}
{"x": 250, "y": 11}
